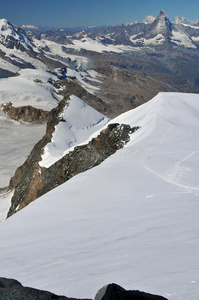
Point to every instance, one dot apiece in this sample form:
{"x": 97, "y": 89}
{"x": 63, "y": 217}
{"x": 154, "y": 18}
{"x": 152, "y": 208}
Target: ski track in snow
{"x": 174, "y": 174}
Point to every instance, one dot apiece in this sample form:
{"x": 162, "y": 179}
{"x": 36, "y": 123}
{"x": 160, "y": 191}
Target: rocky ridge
{"x": 32, "y": 181}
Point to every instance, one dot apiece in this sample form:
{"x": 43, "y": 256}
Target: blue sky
{"x": 72, "y": 13}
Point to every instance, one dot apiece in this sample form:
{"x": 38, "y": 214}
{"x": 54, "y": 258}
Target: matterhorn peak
{"x": 161, "y": 25}
{"x": 163, "y": 14}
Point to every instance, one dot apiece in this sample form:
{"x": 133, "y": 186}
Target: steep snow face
{"x": 79, "y": 122}
{"x": 7, "y": 30}
{"x": 182, "y": 39}
{"x": 17, "y": 48}
{"x": 132, "y": 220}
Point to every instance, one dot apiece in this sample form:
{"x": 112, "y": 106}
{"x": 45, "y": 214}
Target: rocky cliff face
{"x": 28, "y": 113}
{"x": 32, "y": 181}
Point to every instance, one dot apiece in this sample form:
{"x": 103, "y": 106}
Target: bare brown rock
{"x": 28, "y": 113}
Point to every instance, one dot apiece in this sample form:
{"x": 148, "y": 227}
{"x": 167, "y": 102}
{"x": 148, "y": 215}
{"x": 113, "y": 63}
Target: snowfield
{"x": 97, "y": 46}
{"x": 132, "y": 220}
{"x": 30, "y": 87}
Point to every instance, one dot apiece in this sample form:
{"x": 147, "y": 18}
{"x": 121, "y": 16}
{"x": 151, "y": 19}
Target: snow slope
{"x": 87, "y": 79}
{"x": 80, "y": 122}
{"x": 132, "y": 220}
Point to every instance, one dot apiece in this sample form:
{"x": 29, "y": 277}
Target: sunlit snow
{"x": 182, "y": 39}
{"x": 87, "y": 79}
{"x": 132, "y": 220}
{"x": 94, "y": 45}
{"x": 30, "y": 87}
{"x": 80, "y": 121}
{"x": 158, "y": 39}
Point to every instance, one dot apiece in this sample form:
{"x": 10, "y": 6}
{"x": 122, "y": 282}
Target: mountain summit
{"x": 10, "y": 38}
{"x": 161, "y": 25}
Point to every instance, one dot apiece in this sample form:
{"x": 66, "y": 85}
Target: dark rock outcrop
{"x": 32, "y": 181}
{"x": 116, "y": 292}
{"x": 27, "y": 113}
{"x": 11, "y": 289}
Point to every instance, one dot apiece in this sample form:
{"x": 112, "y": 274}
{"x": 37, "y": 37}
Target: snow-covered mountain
{"x": 162, "y": 32}
{"x": 132, "y": 220}
{"x": 18, "y": 50}
{"x": 183, "y": 20}
{"x": 10, "y": 38}
{"x": 148, "y": 20}
{"x": 152, "y": 47}
{"x": 151, "y": 32}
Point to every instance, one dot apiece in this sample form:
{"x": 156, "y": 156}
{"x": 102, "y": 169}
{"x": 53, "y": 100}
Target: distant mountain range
{"x": 149, "y": 32}
{"x": 135, "y": 60}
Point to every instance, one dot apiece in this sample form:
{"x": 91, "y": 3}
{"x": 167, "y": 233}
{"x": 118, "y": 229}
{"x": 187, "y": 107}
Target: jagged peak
{"x": 163, "y": 14}
{"x": 161, "y": 25}
{"x": 8, "y": 33}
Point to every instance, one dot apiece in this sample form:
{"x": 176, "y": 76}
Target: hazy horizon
{"x": 85, "y": 13}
